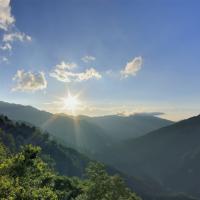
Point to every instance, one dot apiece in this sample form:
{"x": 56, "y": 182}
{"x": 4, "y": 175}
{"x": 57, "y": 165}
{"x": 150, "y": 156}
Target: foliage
{"x": 25, "y": 176}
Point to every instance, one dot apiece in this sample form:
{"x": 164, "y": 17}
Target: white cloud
{"x": 87, "y": 59}
{"x": 132, "y": 67}
{"x": 16, "y": 36}
{"x": 6, "y": 46}
{"x": 88, "y": 74}
{"x": 6, "y": 18}
{"x": 7, "y": 25}
{"x": 68, "y": 66}
{"x": 29, "y": 81}
{"x": 63, "y": 72}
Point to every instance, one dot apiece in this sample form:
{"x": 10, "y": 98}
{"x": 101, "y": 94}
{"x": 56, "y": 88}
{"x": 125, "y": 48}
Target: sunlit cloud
{"x": 63, "y": 66}
{"x": 6, "y": 18}
{"x": 88, "y": 74}
{"x": 29, "y": 81}
{"x": 128, "y": 113}
{"x": 87, "y": 59}
{"x": 64, "y": 72}
{"x": 132, "y": 67}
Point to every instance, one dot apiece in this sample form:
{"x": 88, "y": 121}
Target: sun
{"x": 71, "y": 102}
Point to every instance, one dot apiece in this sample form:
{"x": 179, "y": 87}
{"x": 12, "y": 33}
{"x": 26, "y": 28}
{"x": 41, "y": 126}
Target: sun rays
{"x": 71, "y": 103}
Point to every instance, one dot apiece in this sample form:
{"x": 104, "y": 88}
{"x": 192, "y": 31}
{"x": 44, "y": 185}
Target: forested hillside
{"x": 65, "y": 160}
{"x": 60, "y": 159}
{"x": 27, "y": 172}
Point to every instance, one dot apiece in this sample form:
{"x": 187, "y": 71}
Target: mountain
{"x": 79, "y": 134}
{"x": 24, "y": 113}
{"x": 127, "y": 127}
{"x": 74, "y": 132}
{"x": 171, "y": 155}
{"x": 66, "y": 161}
{"x": 90, "y": 135}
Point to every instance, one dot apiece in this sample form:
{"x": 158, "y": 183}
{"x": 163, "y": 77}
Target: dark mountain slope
{"x": 171, "y": 155}
{"x": 79, "y": 134}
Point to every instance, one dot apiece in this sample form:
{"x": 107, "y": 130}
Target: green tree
{"x": 3, "y": 153}
{"x": 101, "y": 186}
{"x": 25, "y": 176}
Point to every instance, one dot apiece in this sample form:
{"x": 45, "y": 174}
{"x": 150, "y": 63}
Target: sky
{"x": 102, "y": 57}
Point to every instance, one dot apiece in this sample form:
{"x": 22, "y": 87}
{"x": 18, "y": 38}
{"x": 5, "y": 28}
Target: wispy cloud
{"x": 151, "y": 114}
{"x": 87, "y": 59}
{"x": 132, "y": 67}
{"x": 6, "y": 46}
{"x": 16, "y": 36}
{"x": 3, "y": 59}
{"x": 66, "y": 66}
{"x": 29, "y": 81}
{"x": 64, "y": 72}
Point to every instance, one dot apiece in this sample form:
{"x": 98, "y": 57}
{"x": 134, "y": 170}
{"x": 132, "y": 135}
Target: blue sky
{"x": 142, "y": 56}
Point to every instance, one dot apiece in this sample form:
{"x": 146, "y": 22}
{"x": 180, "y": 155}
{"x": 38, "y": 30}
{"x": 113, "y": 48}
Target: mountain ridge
{"x": 132, "y": 126}
{"x": 171, "y": 155}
